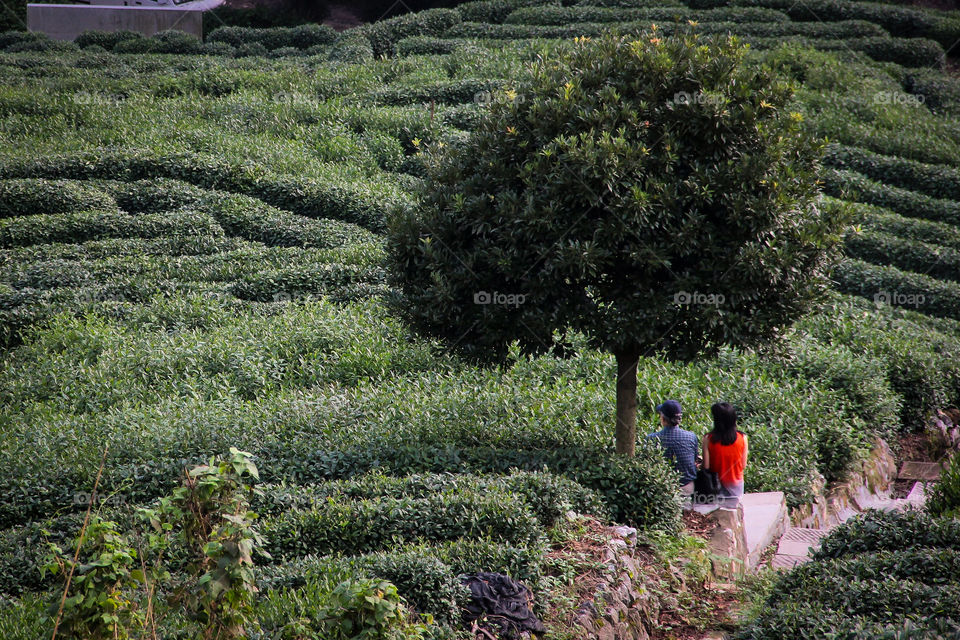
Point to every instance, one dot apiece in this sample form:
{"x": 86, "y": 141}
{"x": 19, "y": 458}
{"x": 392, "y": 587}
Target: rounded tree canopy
{"x": 655, "y": 193}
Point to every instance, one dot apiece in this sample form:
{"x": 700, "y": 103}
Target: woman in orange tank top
{"x": 725, "y": 452}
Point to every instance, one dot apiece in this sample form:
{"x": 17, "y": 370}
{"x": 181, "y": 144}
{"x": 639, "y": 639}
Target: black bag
{"x": 707, "y": 483}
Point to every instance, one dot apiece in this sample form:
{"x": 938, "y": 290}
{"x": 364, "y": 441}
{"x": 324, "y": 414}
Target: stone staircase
{"x": 797, "y": 543}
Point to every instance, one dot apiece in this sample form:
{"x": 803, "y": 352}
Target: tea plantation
{"x": 192, "y": 259}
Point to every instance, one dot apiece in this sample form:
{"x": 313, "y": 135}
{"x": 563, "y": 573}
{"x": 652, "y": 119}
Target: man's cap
{"x": 670, "y": 408}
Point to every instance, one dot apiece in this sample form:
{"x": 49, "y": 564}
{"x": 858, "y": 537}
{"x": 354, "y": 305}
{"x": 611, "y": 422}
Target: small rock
{"x": 627, "y": 533}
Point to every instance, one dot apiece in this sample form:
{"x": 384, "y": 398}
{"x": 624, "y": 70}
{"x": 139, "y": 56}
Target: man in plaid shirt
{"x": 679, "y": 445}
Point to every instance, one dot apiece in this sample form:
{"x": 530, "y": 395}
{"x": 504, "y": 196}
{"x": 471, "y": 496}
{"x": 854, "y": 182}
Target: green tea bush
{"x": 940, "y": 93}
{"x": 446, "y": 92}
{"x": 901, "y": 288}
{"x": 340, "y": 282}
{"x": 385, "y": 34}
{"x": 936, "y": 181}
{"x": 885, "y": 249}
{"x": 361, "y": 526}
{"x": 299, "y": 37}
{"x": 943, "y": 497}
{"x": 907, "y": 22}
{"x": 253, "y": 220}
{"x": 815, "y": 30}
{"x": 341, "y": 194}
{"x": 351, "y": 48}
{"x": 104, "y": 39}
{"x": 548, "y": 496}
{"x": 861, "y": 380}
{"x": 882, "y": 220}
{"x": 851, "y": 185}
{"x": 875, "y": 531}
{"x": 34, "y": 197}
{"x": 95, "y": 225}
{"x": 909, "y": 52}
{"x": 425, "y": 45}
{"x": 911, "y": 347}
{"x": 496, "y": 11}
{"x": 923, "y": 564}
{"x": 868, "y": 576}
{"x": 148, "y": 196}
{"x": 561, "y": 15}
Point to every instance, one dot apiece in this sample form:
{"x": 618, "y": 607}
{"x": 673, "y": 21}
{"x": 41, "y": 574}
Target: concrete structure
{"x": 67, "y": 21}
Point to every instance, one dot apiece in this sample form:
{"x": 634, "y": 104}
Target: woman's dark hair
{"x": 724, "y": 423}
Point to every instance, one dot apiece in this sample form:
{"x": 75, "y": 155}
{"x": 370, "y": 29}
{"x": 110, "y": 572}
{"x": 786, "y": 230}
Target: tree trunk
{"x": 626, "y": 403}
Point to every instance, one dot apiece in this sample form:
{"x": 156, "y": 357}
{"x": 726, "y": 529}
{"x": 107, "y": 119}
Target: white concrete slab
{"x": 765, "y": 518}
{"x": 67, "y": 21}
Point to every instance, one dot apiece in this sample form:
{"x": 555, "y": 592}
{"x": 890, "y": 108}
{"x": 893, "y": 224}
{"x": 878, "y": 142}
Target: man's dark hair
{"x": 724, "y": 423}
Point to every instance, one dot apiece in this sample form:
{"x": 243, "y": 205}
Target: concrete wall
{"x": 67, "y": 21}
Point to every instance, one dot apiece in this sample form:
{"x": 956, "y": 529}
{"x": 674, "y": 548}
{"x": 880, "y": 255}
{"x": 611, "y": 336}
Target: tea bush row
{"x": 873, "y": 218}
{"x": 933, "y": 566}
{"x": 547, "y": 495}
{"x": 909, "y": 346}
{"x": 299, "y": 37}
{"x": 868, "y": 576}
{"x": 882, "y": 248}
{"x": 341, "y": 283}
{"x": 877, "y": 531}
{"x": 561, "y": 15}
{"x": 936, "y": 181}
{"x": 851, "y": 185}
{"x": 362, "y": 526}
{"x": 340, "y": 197}
{"x": 35, "y": 197}
{"x": 904, "y": 288}
{"x": 99, "y": 225}
{"x": 906, "y": 22}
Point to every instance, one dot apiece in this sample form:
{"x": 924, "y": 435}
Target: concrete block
{"x": 67, "y": 21}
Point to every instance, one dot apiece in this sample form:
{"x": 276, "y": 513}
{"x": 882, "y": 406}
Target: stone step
{"x": 799, "y": 542}
{"x": 765, "y": 518}
{"x": 911, "y": 470}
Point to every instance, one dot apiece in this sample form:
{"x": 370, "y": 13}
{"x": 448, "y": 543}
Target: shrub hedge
{"x": 548, "y": 496}
{"x": 870, "y": 575}
{"x": 562, "y": 15}
{"x": 362, "y": 526}
{"x": 338, "y": 196}
{"x": 384, "y": 34}
{"x": 467, "y": 90}
{"x": 96, "y": 225}
{"x": 34, "y": 197}
{"x": 901, "y": 288}
{"x": 339, "y": 282}
{"x": 300, "y": 37}
{"x": 882, "y": 248}
{"x": 906, "y": 22}
{"x": 876, "y": 531}
{"x": 936, "y": 181}
{"x": 851, "y": 185}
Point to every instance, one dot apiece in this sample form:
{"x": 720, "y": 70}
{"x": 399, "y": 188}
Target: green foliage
{"x": 300, "y": 37}
{"x": 936, "y": 181}
{"x": 907, "y": 22}
{"x": 384, "y": 34}
{"x": 366, "y": 609}
{"x": 98, "y": 604}
{"x": 208, "y": 514}
{"x": 558, "y": 15}
{"x": 883, "y": 248}
{"x": 854, "y": 186}
{"x": 943, "y": 497}
{"x": 35, "y": 197}
{"x": 869, "y": 575}
{"x": 889, "y": 285}
{"x": 584, "y": 279}
{"x": 106, "y": 40}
